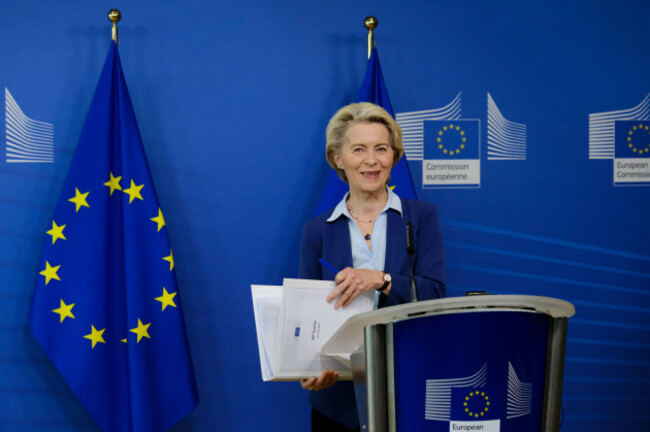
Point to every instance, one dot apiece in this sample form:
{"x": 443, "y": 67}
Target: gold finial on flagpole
{"x": 371, "y": 23}
{"x": 114, "y": 16}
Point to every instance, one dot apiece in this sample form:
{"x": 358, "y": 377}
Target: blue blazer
{"x": 331, "y": 242}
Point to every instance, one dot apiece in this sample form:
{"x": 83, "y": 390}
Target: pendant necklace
{"x": 365, "y": 236}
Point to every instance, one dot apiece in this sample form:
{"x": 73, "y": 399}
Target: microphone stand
{"x": 410, "y": 250}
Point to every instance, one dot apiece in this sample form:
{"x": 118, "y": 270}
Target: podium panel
{"x": 469, "y": 371}
{"x": 480, "y": 363}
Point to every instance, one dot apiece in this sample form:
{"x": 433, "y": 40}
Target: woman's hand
{"x": 351, "y": 283}
{"x": 326, "y": 379}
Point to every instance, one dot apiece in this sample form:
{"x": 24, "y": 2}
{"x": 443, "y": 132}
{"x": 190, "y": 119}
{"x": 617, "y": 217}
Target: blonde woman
{"x": 365, "y": 236}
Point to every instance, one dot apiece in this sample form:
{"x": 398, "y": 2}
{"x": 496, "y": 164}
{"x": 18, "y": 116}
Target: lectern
{"x": 478, "y": 363}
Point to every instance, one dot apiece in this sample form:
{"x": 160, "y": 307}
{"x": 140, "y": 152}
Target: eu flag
{"x": 373, "y": 90}
{"x": 477, "y": 404}
{"x": 632, "y": 138}
{"x": 451, "y": 139}
{"x": 106, "y": 307}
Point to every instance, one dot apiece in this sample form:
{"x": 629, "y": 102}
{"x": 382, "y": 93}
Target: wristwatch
{"x": 387, "y": 280}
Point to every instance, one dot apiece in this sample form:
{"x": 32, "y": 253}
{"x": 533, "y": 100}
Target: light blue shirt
{"x": 362, "y": 257}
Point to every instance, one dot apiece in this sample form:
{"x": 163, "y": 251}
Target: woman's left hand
{"x": 351, "y": 283}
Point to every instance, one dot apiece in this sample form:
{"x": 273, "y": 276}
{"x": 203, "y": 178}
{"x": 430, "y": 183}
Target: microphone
{"x": 410, "y": 246}
{"x": 410, "y": 250}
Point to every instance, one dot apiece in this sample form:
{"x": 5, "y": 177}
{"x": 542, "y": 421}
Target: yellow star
{"x": 170, "y": 258}
{"x": 96, "y": 336}
{"x": 79, "y": 199}
{"x": 114, "y": 183}
{"x": 159, "y": 220}
{"x": 50, "y": 272}
{"x": 134, "y": 191}
{"x": 64, "y": 310}
{"x": 56, "y": 232}
{"x": 141, "y": 330}
{"x": 167, "y": 299}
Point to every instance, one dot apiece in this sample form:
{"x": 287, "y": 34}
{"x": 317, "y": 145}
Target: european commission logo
{"x": 27, "y": 140}
{"x": 449, "y": 146}
{"x": 472, "y": 402}
{"x": 451, "y": 153}
{"x": 632, "y": 152}
{"x": 624, "y": 137}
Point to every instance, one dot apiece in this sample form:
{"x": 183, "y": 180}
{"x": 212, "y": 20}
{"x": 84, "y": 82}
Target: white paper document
{"x": 294, "y": 321}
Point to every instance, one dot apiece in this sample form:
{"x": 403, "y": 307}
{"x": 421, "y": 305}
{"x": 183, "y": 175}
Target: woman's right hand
{"x": 326, "y": 379}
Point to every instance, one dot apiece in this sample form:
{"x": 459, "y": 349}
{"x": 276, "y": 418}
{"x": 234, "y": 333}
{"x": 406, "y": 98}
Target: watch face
{"x": 386, "y": 283}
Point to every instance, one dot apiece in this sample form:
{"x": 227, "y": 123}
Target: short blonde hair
{"x": 355, "y": 113}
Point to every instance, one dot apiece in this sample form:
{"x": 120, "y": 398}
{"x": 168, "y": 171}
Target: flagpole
{"x": 114, "y": 16}
{"x": 371, "y": 23}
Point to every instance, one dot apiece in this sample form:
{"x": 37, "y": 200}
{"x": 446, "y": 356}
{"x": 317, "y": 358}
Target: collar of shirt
{"x": 341, "y": 208}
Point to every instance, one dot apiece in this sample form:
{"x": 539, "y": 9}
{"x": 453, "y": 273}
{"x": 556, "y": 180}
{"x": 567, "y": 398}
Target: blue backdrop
{"x": 232, "y": 100}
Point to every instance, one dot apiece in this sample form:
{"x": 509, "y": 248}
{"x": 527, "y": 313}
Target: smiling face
{"x": 366, "y": 157}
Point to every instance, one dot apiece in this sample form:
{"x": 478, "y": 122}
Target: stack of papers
{"x": 294, "y": 321}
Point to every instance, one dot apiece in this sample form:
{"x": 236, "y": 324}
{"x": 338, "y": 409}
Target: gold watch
{"x": 387, "y": 280}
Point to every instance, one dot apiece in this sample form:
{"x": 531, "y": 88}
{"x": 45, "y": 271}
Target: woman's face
{"x": 366, "y": 157}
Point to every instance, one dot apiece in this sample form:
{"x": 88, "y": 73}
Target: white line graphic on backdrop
{"x": 412, "y": 128}
{"x": 601, "y": 128}
{"x": 437, "y": 404}
{"x": 506, "y": 140}
{"x": 27, "y": 140}
{"x": 520, "y": 395}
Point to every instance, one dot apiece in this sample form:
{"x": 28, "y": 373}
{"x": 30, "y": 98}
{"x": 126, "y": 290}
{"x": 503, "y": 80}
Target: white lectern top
{"x": 349, "y": 337}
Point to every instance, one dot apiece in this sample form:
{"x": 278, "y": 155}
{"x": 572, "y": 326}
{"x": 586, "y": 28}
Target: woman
{"x": 365, "y": 235}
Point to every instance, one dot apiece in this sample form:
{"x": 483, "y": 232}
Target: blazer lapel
{"x": 395, "y": 241}
{"x": 337, "y": 250}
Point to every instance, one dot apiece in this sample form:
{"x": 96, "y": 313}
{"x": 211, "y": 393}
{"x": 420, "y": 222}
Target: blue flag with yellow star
{"x": 106, "y": 307}
{"x": 373, "y": 90}
{"x": 632, "y": 139}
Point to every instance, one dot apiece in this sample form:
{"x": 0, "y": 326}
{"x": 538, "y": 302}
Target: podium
{"x": 486, "y": 362}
